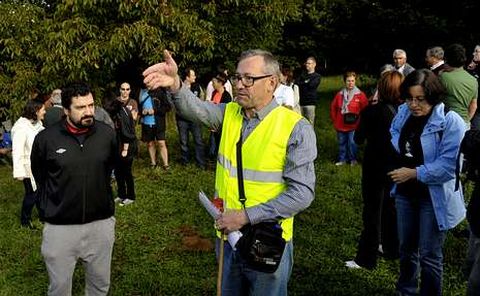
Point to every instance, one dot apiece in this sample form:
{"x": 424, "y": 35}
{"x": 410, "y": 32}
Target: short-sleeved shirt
{"x": 462, "y": 88}
{"x": 146, "y": 102}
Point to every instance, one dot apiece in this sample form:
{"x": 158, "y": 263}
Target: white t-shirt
{"x": 284, "y": 95}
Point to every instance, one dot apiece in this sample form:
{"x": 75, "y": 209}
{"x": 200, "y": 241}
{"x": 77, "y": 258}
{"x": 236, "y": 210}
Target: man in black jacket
{"x": 307, "y": 86}
{"x": 72, "y": 162}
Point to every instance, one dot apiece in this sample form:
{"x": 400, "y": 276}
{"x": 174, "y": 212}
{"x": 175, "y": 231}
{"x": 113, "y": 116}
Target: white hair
{"x": 400, "y": 52}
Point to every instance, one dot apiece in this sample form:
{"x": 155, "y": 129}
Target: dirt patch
{"x": 193, "y": 241}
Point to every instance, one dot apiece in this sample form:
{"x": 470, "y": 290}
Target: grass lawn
{"x": 164, "y": 241}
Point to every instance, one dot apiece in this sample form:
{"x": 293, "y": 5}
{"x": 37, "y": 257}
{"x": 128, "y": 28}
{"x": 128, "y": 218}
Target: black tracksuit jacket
{"x": 73, "y": 178}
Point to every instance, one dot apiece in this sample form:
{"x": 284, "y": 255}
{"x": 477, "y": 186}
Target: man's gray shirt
{"x": 299, "y": 171}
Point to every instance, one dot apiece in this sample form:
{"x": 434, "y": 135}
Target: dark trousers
{"x": 184, "y": 127}
{"x": 214, "y": 144}
{"x": 29, "y": 201}
{"x": 379, "y": 221}
{"x": 124, "y": 177}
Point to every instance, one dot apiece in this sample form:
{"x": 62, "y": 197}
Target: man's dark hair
{"x": 455, "y": 55}
{"x": 433, "y": 88}
{"x": 31, "y": 108}
{"x": 74, "y": 90}
{"x": 186, "y": 72}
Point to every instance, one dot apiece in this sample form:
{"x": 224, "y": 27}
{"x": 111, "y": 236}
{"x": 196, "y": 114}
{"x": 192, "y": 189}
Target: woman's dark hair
{"x": 113, "y": 106}
{"x": 288, "y": 73}
{"x": 31, "y": 108}
{"x": 433, "y": 88}
{"x": 389, "y": 87}
{"x": 222, "y": 77}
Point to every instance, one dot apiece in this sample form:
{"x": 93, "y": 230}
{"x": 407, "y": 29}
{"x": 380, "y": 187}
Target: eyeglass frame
{"x": 238, "y": 77}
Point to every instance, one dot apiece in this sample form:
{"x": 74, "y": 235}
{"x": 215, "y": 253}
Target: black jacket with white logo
{"x": 73, "y": 174}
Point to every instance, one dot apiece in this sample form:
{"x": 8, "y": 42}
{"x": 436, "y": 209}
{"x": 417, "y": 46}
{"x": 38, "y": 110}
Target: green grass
{"x": 150, "y": 258}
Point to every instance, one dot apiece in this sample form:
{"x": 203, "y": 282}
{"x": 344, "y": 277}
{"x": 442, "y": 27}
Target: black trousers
{"x": 124, "y": 178}
{"x": 379, "y": 221}
{"x": 29, "y": 201}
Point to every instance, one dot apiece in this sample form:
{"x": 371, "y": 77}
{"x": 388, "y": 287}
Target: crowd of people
{"x": 262, "y": 139}
{"x": 413, "y": 126}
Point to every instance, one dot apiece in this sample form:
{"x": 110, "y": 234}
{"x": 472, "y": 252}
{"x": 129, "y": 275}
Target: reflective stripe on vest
{"x": 264, "y": 154}
{"x": 250, "y": 175}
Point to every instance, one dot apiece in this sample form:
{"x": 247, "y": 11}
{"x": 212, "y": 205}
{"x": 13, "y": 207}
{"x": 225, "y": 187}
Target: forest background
{"x": 45, "y": 44}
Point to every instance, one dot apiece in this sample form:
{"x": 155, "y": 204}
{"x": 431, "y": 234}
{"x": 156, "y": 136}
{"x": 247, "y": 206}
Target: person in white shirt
{"x": 23, "y": 133}
{"x": 284, "y": 96}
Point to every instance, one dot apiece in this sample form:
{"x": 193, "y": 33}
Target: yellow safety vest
{"x": 264, "y": 154}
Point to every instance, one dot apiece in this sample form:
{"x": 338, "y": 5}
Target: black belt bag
{"x": 262, "y": 246}
{"x": 350, "y": 118}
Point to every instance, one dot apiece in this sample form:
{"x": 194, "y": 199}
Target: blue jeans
{"x": 347, "y": 149}
{"x": 421, "y": 244}
{"x": 240, "y": 280}
{"x": 183, "y": 128}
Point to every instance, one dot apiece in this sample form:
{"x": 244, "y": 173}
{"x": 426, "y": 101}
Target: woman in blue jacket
{"x": 426, "y": 138}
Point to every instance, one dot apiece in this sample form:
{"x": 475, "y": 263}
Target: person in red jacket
{"x": 345, "y": 113}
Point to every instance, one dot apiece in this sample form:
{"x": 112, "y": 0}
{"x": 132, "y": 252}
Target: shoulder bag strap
{"x": 241, "y": 187}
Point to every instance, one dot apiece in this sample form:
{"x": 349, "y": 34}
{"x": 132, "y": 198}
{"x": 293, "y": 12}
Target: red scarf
{"x": 75, "y": 130}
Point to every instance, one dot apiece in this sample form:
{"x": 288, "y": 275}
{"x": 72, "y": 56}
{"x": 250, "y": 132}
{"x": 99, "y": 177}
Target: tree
{"x": 46, "y": 44}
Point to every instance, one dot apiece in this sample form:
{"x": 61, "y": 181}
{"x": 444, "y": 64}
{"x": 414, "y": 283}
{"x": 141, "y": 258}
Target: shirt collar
{"x": 261, "y": 114}
{"x": 437, "y": 65}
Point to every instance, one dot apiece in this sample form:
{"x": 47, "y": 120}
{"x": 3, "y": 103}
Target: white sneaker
{"x": 352, "y": 264}
{"x": 127, "y": 201}
{"x": 118, "y": 200}
{"x": 340, "y": 163}
{"x": 380, "y": 248}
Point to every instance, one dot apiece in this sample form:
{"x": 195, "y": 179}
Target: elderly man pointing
{"x": 265, "y": 170}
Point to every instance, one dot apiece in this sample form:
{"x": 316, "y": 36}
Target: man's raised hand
{"x": 163, "y": 74}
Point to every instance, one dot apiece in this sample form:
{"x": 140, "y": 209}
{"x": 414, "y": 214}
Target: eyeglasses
{"x": 124, "y": 89}
{"x": 418, "y": 100}
{"x": 247, "y": 80}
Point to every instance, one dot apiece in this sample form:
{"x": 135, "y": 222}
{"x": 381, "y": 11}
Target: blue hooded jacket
{"x": 441, "y": 138}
